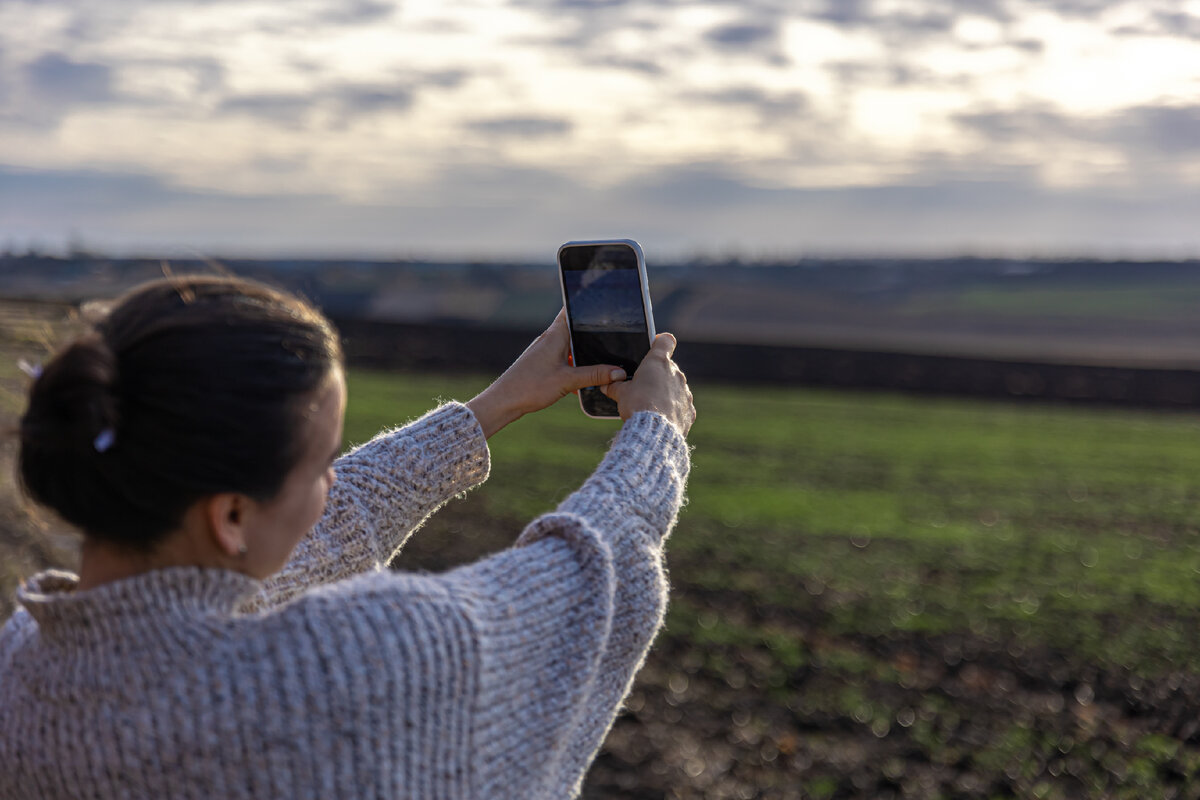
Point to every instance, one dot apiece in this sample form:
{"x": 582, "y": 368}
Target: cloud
{"x": 936, "y": 18}
{"x": 902, "y": 31}
{"x": 588, "y": 5}
{"x": 358, "y": 12}
{"x": 303, "y": 20}
{"x": 40, "y": 93}
{"x": 92, "y": 25}
{"x": 909, "y": 26}
{"x": 893, "y": 72}
{"x": 1030, "y": 45}
{"x": 444, "y": 79}
{"x": 1028, "y": 123}
{"x": 485, "y": 212}
{"x": 584, "y": 6}
{"x": 98, "y": 23}
{"x": 280, "y": 108}
{"x": 585, "y": 29}
{"x": 84, "y": 193}
{"x": 759, "y": 38}
{"x": 1165, "y": 130}
{"x": 772, "y": 107}
{"x": 1141, "y": 132}
{"x": 1165, "y": 23}
{"x": 1011, "y": 214}
{"x": 867, "y": 100}
{"x": 56, "y": 79}
{"x": 1088, "y": 9}
{"x": 644, "y": 65}
{"x": 342, "y": 100}
{"x": 845, "y": 12}
{"x": 524, "y": 213}
{"x": 369, "y": 99}
{"x": 741, "y": 34}
{"x": 521, "y": 127}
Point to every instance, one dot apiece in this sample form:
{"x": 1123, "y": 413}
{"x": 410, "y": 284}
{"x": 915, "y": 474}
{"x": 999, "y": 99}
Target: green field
{"x": 877, "y": 595}
{"x": 1107, "y": 304}
{"x": 873, "y": 595}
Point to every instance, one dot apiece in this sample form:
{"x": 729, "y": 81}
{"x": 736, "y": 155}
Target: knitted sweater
{"x": 337, "y": 678}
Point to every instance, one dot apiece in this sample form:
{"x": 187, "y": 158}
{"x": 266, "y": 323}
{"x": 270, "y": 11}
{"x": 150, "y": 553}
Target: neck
{"x": 102, "y": 563}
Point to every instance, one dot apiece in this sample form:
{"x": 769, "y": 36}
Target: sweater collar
{"x": 52, "y": 599}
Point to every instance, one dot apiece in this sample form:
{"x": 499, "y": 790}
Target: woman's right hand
{"x": 658, "y": 385}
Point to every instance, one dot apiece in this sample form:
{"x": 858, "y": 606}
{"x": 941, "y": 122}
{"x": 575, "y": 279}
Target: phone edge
{"x": 643, "y": 280}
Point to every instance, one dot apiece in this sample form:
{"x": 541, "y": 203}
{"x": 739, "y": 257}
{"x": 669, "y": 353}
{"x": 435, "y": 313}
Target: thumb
{"x": 597, "y": 375}
{"x": 664, "y": 343}
{"x": 614, "y": 390}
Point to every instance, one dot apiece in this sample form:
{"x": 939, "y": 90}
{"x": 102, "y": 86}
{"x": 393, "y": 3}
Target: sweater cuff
{"x": 444, "y": 452}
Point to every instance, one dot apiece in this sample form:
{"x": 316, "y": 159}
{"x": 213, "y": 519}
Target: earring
{"x": 242, "y": 549}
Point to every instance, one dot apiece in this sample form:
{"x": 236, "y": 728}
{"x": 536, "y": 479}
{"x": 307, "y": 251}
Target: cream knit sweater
{"x": 339, "y": 679}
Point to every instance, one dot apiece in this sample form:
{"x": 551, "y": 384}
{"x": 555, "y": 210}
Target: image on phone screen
{"x": 603, "y": 289}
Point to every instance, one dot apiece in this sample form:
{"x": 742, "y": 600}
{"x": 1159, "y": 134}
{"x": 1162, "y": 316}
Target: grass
{"x": 830, "y": 535}
{"x": 1029, "y": 516}
{"x": 1114, "y": 301}
{"x": 955, "y": 589}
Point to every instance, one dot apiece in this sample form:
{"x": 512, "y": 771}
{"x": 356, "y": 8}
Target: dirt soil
{"x": 691, "y": 732}
{"x": 924, "y": 717}
{"x": 906, "y": 716}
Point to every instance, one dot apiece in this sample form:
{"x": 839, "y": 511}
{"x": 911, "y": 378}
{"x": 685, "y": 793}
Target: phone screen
{"x": 603, "y": 289}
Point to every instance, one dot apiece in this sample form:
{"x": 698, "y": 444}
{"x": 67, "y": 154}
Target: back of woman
{"x": 234, "y": 631}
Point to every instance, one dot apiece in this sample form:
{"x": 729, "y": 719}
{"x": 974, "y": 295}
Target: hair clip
{"x": 32, "y": 370}
{"x": 104, "y": 440}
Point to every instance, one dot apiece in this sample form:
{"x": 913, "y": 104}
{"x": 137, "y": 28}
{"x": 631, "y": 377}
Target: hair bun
{"x": 208, "y": 396}
{"x": 74, "y": 403}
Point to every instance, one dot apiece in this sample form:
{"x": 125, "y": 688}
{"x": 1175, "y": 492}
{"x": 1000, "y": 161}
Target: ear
{"x": 225, "y": 516}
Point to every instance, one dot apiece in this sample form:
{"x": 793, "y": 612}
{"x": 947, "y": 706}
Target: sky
{"x": 502, "y": 128}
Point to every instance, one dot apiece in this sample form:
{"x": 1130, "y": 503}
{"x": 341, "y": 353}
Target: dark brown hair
{"x": 189, "y": 386}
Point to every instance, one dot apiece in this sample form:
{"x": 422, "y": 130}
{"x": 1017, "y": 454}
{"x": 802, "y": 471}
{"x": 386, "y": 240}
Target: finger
{"x": 555, "y": 340}
{"x": 613, "y": 390}
{"x": 599, "y": 375}
{"x": 558, "y": 328}
{"x": 664, "y": 343}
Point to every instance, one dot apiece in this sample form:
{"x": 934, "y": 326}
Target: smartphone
{"x": 607, "y": 298}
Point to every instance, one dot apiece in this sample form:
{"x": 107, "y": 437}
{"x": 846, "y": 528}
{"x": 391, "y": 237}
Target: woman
{"x": 216, "y": 644}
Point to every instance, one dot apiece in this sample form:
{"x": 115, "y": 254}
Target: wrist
{"x": 492, "y": 411}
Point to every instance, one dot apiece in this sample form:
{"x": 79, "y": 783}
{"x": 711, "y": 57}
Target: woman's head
{"x": 188, "y": 388}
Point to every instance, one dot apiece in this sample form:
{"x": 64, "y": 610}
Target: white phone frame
{"x": 643, "y": 281}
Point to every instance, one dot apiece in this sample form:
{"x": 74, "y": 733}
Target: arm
{"x": 385, "y": 490}
{"x": 388, "y": 487}
{"x": 499, "y": 679}
{"x": 539, "y": 378}
{"x": 563, "y": 621}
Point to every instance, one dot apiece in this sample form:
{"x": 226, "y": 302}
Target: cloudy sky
{"x": 504, "y": 127}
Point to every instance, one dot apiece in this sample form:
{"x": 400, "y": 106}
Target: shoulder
{"x": 384, "y": 588}
{"x": 379, "y": 613}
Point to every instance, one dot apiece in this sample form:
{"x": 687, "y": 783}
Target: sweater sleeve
{"x": 564, "y": 620}
{"x": 385, "y": 489}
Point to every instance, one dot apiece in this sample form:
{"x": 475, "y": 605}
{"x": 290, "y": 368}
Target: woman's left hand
{"x": 540, "y": 377}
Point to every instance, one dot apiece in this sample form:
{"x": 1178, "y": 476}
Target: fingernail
{"x": 617, "y": 375}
